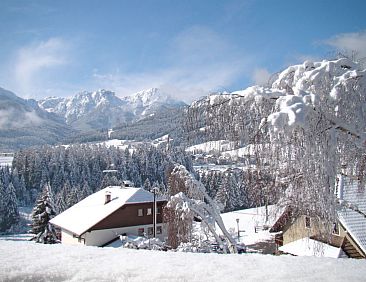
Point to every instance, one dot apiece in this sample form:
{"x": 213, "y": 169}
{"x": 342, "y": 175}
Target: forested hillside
{"x": 75, "y": 172}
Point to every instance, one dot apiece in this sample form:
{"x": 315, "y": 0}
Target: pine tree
{"x": 43, "y": 211}
{"x": 147, "y": 185}
{"x": 12, "y": 206}
{"x": 9, "y": 214}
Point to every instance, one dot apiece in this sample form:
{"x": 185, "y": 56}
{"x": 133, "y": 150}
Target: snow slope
{"x": 37, "y": 262}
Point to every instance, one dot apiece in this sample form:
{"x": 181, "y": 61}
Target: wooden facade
{"x": 127, "y": 216}
{"x": 292, "y": 229}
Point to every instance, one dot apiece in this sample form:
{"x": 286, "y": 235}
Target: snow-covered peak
{"x": 150, "y": 96}
{"x": 148, "y": 101}
{"x": 50, "y": 104}
{"x": 106, "y": 108}
{"x": 81, "y": 104}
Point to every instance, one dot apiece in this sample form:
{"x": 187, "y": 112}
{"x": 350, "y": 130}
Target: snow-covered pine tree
{"x": 85, "y": 191}
{"x": 43, "y": 211}
{"x": 147, "y": 185}
{"x": 19, "y": 188}
{"x": 9, "y": 214}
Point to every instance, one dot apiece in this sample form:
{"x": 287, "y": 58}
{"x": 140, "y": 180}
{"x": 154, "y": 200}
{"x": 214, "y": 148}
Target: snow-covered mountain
{"x": 149, "y": 101}
{"x": 23, "y": 123}
{"x": 102, "y": 108}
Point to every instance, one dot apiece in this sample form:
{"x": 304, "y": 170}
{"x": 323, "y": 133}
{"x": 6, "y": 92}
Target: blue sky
{"x": 186, "y": 48}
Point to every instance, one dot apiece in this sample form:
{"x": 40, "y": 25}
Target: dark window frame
{"x": 307, "y": 222}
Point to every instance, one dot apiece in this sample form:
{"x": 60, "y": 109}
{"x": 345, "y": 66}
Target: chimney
{"x": 107, "y": 198}
{"x": 127, "y": 183}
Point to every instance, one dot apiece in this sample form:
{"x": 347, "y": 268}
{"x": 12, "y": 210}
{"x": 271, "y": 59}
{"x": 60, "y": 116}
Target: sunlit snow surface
{"x": 29, "y": 261}
{"x": 249, "y": 220}
{"x": 310, "y": 247}
{"x": 6, "y": 161}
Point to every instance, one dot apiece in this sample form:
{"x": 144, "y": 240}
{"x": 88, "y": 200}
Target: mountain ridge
{"x": 104, "y": 109}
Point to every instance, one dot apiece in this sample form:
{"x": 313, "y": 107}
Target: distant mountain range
{"x": 26, "y": 122}
{"x": 23, "y": 123}
{"x": 103, "y": 109}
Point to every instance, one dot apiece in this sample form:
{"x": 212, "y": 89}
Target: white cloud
{"x": 261, "y": 76}
{"x": 198, "y": 61}
{"x": 36, "y": 58}
{"x": 10, "y": 118}
{"x": 349, "y": 42}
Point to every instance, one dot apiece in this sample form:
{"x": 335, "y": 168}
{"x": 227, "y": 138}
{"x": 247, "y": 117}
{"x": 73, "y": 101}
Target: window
{"x": 335, "y": 228}
{"x": 140, "y": 232}
{"x": 150, "y": 231}
{"x": 149, "y": 211}
{"x": 158, "y": 230}
{"x": 307, "y": 222}
{"x": 157, "y": 210}
{"x": 140, "y": 212}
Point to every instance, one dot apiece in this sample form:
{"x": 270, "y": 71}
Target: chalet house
{"x": 348, "y": 238}
{"x": 103, "y": 216}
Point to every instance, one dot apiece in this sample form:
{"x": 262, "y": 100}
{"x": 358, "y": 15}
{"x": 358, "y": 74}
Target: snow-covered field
{"x": 212, "y": 147}
{"x": 223, "y": 147}
{"x": 28, "y": 261}
{"x": 250, "y": 220}
{"x": 21, "y": 260}
{"x": 6, "y": 161}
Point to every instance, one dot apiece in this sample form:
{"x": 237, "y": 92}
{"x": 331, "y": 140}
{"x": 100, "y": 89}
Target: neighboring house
{"x": 103, "y": 216}
{"x": 348, "y": 233}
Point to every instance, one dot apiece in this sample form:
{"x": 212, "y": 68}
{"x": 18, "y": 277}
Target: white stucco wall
{"x": 68, "y": 238}
{"x": 101, "y": 237}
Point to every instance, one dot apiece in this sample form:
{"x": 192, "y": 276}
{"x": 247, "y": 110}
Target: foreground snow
{"x": 36, "y": 262}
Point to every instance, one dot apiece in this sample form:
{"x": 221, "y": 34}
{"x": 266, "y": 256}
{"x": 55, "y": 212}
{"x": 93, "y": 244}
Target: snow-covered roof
{"x": 310, "y": 247}
{"x": 88, "y": 212}
{"x": 354, "y": 222}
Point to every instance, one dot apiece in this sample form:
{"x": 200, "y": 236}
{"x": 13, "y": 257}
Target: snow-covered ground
{"x": 223, "y": 147}
{"x": 251, "y": 223}
{"x": 6, "y": 161}
{"x": 121, "y": 144}
{"x": 211, "y": 147}
{"x": 22, "y": 260}
{"x": 28, "y": 261}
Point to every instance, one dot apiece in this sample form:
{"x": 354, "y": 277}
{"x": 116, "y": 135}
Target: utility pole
{"x": 154, "y": 190}
{"x": 237, "y": 223}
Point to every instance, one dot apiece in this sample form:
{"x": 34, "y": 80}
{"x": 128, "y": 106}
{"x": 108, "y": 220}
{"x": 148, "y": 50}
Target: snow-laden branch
{"x": 185, "y": 205}
{"x": 205, "y": 206}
